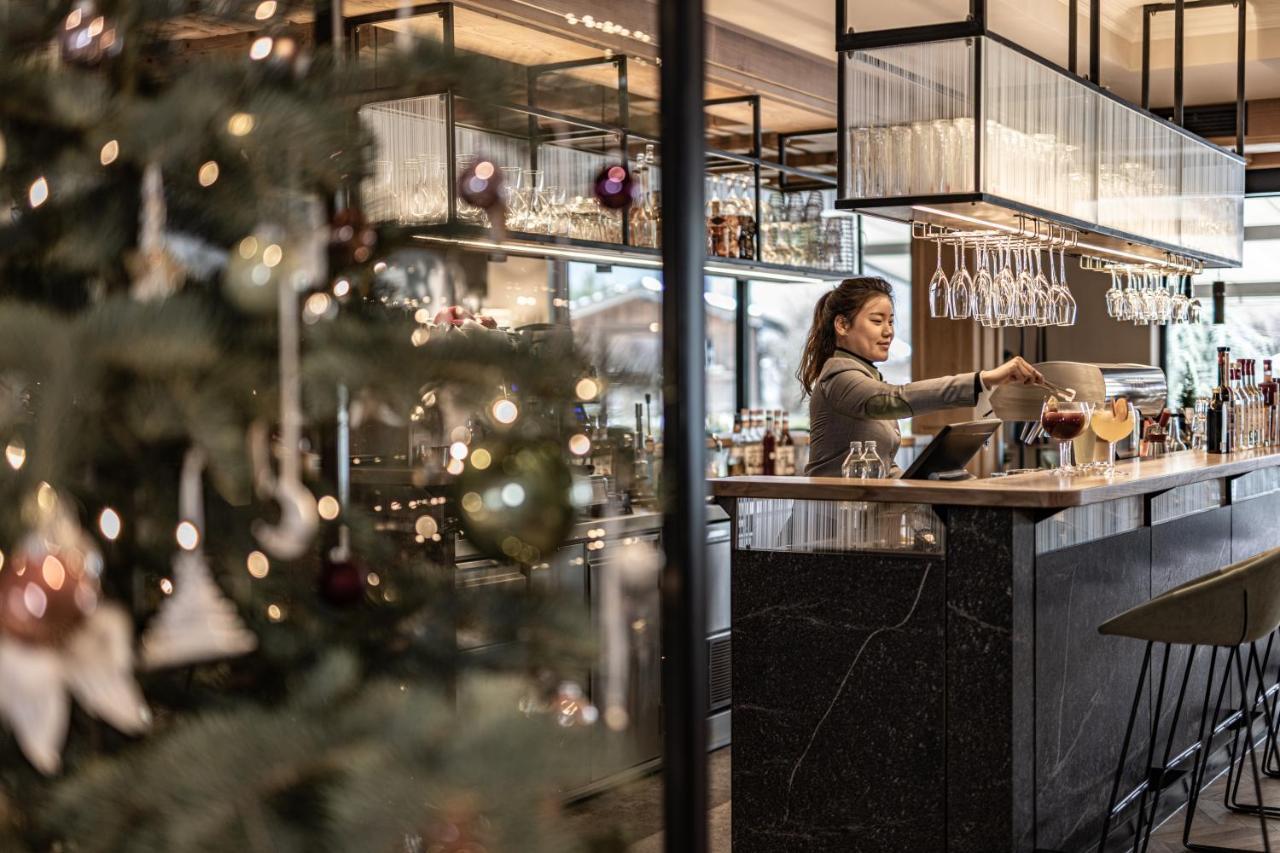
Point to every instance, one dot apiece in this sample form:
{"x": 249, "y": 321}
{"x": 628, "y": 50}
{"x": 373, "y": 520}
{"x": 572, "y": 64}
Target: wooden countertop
{"x": 1040, "y": 490}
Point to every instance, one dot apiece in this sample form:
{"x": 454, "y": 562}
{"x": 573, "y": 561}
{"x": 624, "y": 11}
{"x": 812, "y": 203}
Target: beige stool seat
{"x": 1228, "y": 610}
{"x": 1238, "y": 604}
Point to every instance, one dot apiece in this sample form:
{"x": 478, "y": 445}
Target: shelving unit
{"x": 436, "y": 132}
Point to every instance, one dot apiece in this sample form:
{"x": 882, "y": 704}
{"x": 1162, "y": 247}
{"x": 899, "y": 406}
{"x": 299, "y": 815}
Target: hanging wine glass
{"x": 1068, "y": 307}
{"x": 961, "y": 287}
{"x": 1115, "y": 297}
{"x": 1042, "y": 299}
{"x": 939, "y": 289}
{"x": 982, "y": 289}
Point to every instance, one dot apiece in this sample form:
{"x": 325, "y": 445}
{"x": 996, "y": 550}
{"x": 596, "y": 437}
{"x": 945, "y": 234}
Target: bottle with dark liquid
{"x": 737, "y": 462}
{"x": 747, "y": 223}
{"x": 1218, "y": 421}
{"x": 786, "y": 447}
{"x": 769, "y": 448}
{"x": 717, "y": 229}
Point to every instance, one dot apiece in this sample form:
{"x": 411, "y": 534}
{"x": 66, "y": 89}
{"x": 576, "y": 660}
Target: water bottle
{"x": 854, "y": 466}
{"x": 872, "y": 465}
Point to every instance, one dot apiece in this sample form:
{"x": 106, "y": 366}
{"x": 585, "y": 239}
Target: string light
{"x": 275, "y": 612}
{"x": 341, "y": 288}
{"x": 455, "y": 467}
{"x": 187, "y": 535}
{"x": 261, "y": 48}
{"x": 166, "y": 586}
{"x": 579, "y": 445}
{"x": 16, "y": 453}
{"x": 110, "y": 151}
{"x": 425, "y": 526}
{"x": 505, "y": 411}
{"x": 109, "y": 524}
{"x": 240, "y": 124}
{"x": 328, "y": 507}
{"x": 272, "y": 255}
{"x": 258, "y": 564}
{"x": 480, "y": 460}
{"x": 265, "y": 10}
{"x": 587, "y": 388}
{"x": 208, "y": 174}
{"x": 458, "y": 450}
{"x": 39, "y": 192}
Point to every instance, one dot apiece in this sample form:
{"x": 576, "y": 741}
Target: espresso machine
{"x": 1019, "y": 405}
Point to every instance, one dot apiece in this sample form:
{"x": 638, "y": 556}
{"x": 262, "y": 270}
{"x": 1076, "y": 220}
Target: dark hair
{"x": 846, "y": 299}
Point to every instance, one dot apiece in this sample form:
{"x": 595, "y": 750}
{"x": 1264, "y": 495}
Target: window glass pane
{"x": 616, "y": 314}
{"x": 1252, "y": 327}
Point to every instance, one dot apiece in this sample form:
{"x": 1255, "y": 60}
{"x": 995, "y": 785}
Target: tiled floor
{"x": 636, "y": 809}
{"x": 1215, "y": 825}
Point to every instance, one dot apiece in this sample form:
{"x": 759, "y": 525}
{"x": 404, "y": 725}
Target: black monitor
{"x": 951, "y": 449}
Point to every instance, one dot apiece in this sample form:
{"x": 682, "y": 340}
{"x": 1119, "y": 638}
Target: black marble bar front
{"x": 926, "y": 675}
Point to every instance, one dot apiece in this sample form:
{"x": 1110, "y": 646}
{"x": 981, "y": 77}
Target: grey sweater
{"x": 852, "y": 402}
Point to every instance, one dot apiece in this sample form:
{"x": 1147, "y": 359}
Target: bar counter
{"x": 916, "y": 665}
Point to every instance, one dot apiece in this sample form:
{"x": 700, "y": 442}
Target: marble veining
{"x": 791, "y": 778}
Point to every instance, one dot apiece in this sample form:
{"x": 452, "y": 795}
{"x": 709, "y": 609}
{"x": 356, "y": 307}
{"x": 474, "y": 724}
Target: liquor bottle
{"x": 732, "y": 210}
{"x": 769, "y": 448}
{"x": 1239, "y": 413}
{"x": 747, "y": 226}
{"x": 853, "y": 467}
{"x": 639, "y": 219}
{"x": 1251, "y": 403}
{"x": 1271, "y": 412}
{"x": 786, "y": 448}
{"x": 1218, "y": 420}
{"x": 717, "y": 229}
{"x": 1259, "y": 406}
{"x": 752, "y": 452}
{"x": 737, "y": 462}
{"x": 873, "y": 465}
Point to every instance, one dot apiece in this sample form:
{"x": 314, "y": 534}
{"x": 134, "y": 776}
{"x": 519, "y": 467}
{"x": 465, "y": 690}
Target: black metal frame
{"x": 848, "y": 41}
{"x": 1179, "y": 9}
{"x": 784, "y": 141}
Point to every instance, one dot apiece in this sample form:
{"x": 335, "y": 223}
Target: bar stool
{"x": 1223, "y": 610}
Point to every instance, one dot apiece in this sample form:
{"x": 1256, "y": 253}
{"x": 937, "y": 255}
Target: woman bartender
{"x": 849, "y": 401}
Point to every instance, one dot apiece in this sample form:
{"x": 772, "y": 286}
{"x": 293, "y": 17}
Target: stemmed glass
{"x": 961, "y": 287}
{"x": 1066, "y": 302}
{"x": 1064, "y": 422}
{"x": 1115, "y": 298}
{"x": 1111, "y": 422}
{"x": 939, "y": 289}
{"x": 983, "y": 286}
{"x": 1041, "y": 298}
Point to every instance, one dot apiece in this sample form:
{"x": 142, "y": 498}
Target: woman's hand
{"x": 1015, "y": 369}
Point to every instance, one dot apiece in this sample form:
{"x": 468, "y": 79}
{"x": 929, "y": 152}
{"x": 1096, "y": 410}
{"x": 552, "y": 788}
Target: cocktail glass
{"x": 1111, "y": 422}
{"x": 1063, "y": 422}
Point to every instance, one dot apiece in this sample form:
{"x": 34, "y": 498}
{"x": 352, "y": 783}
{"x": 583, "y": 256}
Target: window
{"x": 780, "y": 316}
{"x": 1252, "y": 327}
{"x": 616, "y": 313}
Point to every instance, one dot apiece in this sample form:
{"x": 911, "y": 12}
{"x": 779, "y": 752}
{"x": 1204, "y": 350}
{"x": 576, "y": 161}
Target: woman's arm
{"x": 852, "y": 392}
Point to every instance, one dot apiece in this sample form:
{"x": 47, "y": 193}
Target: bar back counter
{"x": 917, "y": 665}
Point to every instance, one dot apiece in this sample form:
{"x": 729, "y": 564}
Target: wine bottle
{"x": 1268, "y": 388}
{"x": 769, "y": 448}
{"x": 1218, "y": 420}
{"x": 786, "y": 448}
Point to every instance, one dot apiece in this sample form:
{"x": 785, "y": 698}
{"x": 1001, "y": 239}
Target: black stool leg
{"x": 1246, "y": 706}
{"x": 1156, "y": 782}
{"x": 1207, "y": 726}
{"x": 1124, "y": 750}
{"x": 1269, "y": 711}
{"x": 1151, "y": 751}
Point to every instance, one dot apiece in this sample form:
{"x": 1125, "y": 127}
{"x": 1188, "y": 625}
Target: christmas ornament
{"x": 342, "y": 579}
{"x": 480, "y": 185}
{"x": 516, "y": 507}
{"x": 290, "y": 537}
{"x": 351, "y": 240}
{"x": 615, "y": 187}
{"x": 197, "y": 623}
{"x": 87, "y": 37}
{"x": 57, "y": 637}
{"x": 155, "y": 272}
{"x": 254, "y": 269}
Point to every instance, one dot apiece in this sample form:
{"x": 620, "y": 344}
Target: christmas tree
{"x": 207, "y": 643}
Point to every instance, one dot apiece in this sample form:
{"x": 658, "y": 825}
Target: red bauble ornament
{"x": 342, "y": 580}
{"x": 454, "y": 315}
{"x": 46, "y": 591}
{"x": 615, "y": 188}
{"x": 480, "y": 185}
{"x": 351, "y": 240}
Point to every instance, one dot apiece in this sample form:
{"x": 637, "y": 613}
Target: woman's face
{"x": 871, "y": 331}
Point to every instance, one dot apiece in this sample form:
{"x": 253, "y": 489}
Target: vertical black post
{"x": 742, "y": 346}
{"x": 327, "y": 26}
{"x": 1095, "y": 41}
{"x": 979, "y": 115}
{"x": 684, "y": 664}
{"x": 844, "y": 189}
{"x": 1146, "y": 58}
{"x": 1240, "y": 107}
{"x": 1179, "y": 21}
{"x": 757, "y": 151}
{"x": 978, "y": 14}
{"x": 1073, "y": 34}
{"x": 1219, "y": 302}
{"x": 624, "y": 121}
